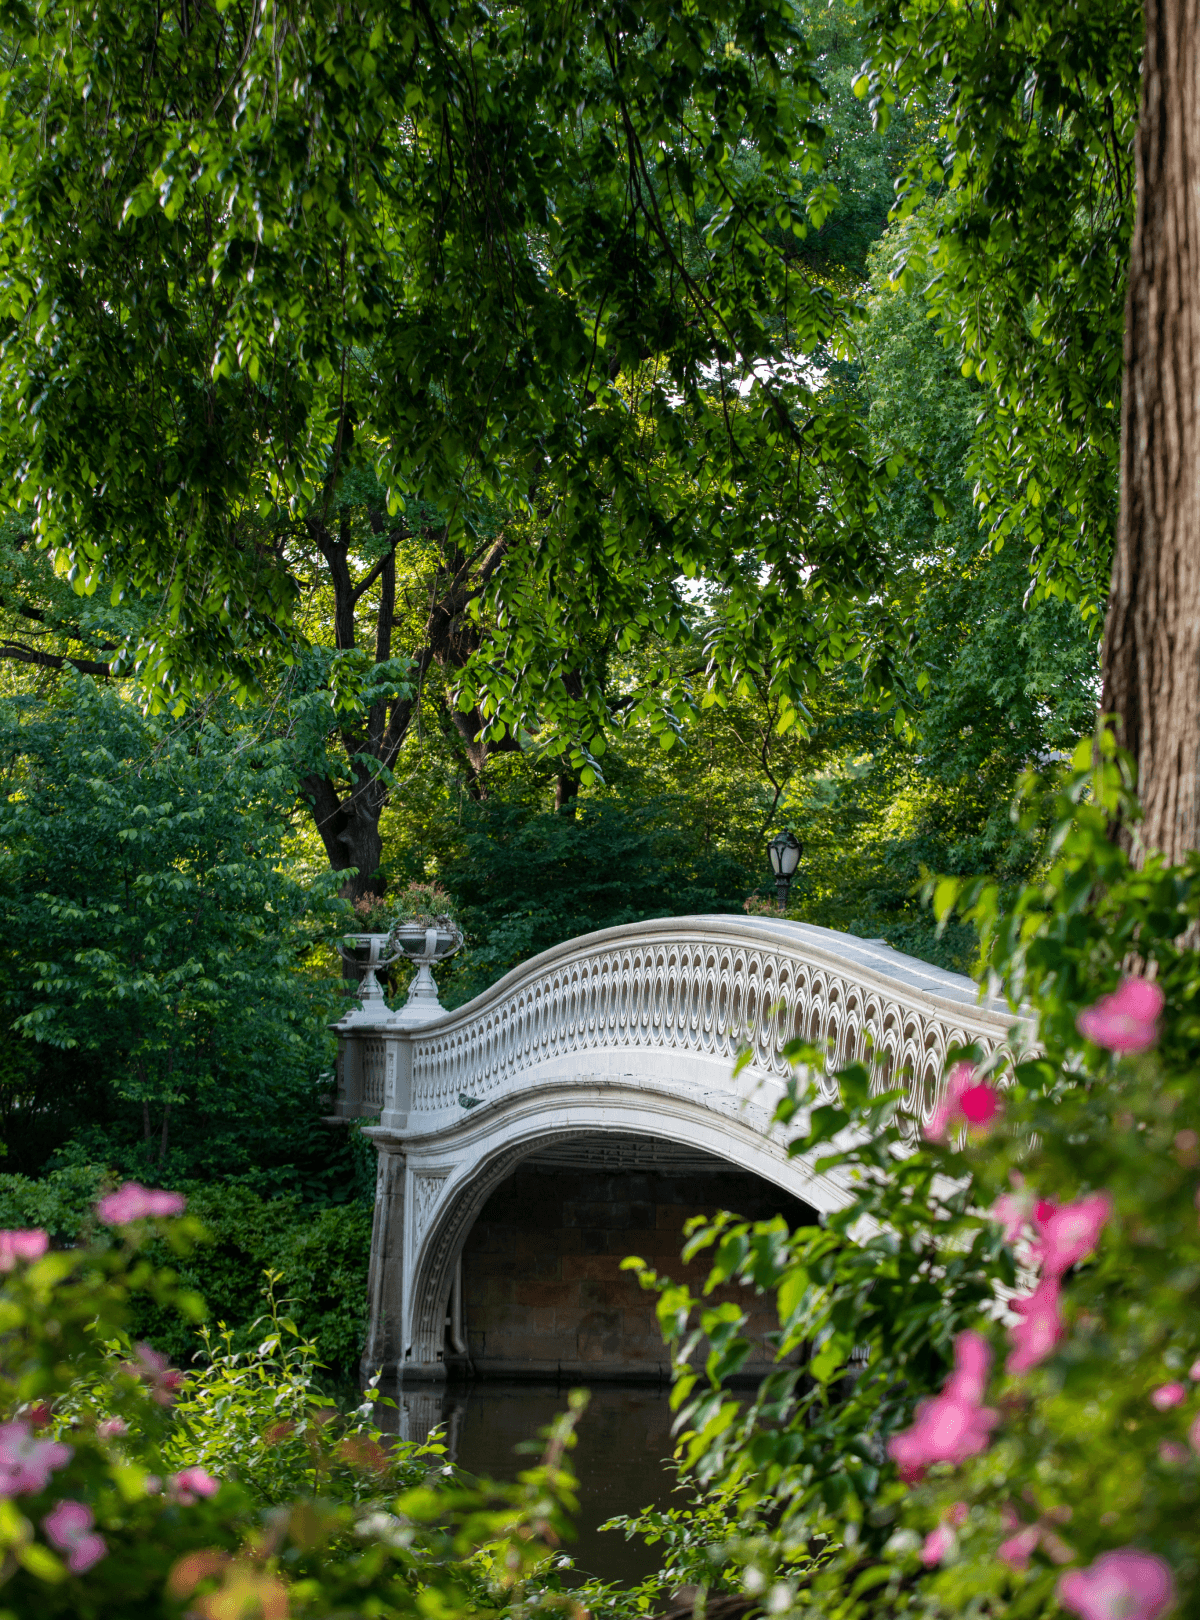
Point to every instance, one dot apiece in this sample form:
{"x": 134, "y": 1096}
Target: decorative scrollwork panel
{"x": 708, "y": 997}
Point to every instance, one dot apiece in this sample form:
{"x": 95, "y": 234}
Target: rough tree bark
{"x": 1151, "y": 659}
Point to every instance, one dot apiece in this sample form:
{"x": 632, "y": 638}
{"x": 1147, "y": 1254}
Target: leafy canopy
{"x": 1020, "y": 206}
{"x": 533, "y": 256}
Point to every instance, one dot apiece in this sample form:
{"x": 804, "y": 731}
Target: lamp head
{"x": 785, "y": 850}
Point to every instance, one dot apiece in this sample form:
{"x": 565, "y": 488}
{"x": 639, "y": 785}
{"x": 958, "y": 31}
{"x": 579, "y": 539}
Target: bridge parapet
{"x": 640, "y": 1023}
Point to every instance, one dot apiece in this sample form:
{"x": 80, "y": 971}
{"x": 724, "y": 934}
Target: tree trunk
{"x": 1151, "y": 662}
{"x": 349, "y": 830}
{"x": 566, "y": 793}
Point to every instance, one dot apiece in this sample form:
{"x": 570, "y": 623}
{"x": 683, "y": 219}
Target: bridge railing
{"x": 706, "y": 986}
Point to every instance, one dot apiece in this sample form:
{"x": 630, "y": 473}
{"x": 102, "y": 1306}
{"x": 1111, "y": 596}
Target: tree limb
{"x": 22, "y": 654}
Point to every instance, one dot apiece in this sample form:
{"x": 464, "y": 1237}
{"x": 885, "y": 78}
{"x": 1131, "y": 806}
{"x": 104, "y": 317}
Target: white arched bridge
{"x": 624, "y": 1037}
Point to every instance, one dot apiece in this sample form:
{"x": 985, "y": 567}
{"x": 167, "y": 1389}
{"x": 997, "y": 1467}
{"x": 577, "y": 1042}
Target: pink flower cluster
{"x": 1123, "y": 1585}
{"x": 1126, "y": 1021}
{"x": 156, "y": 1372}
{"x": 26, "y": 1463}
{"x": 954, "y": 1425}
{"x": 941, "y": 1541}
{"x": 133, "y": 1202}
{"x": 1064, "y": 1234}
{"x": 1018, "y": 1212}
{"x": 190, "y": 1484}
{"x": 967, "y": 1101}
{"x": 1019, "y": 1548}
{"x": 1040, "y": 1326}
{"x": 69, "y": 1527}
{"x": 24, "y": 1244}
{"x": 1166, "y": 1396}
{"x": 1069, "y": 1232}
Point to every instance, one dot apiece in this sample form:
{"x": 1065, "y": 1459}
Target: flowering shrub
{"x": 424, "y": 903}
{"x": 1024, "y": 1278}
{"x": 760, "y": 905}
{"x": 373, "y": 914}
{"x": 235, "y": 1491}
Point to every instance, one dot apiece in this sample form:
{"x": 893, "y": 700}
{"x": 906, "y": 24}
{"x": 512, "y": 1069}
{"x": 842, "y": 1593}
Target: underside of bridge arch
{"x": 543, "y": 1290}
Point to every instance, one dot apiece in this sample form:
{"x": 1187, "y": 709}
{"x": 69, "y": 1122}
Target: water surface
{"x": 624, "y": 1441}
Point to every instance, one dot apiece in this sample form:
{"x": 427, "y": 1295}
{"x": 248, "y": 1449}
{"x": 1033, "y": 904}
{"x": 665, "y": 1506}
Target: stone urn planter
{"x": 367, "y": 953}
{"x": 424, "y": 941}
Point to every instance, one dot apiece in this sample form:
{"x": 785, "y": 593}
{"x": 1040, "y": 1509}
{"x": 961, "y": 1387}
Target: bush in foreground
{"x": 127, "y": 1486}
{"x": 1020, "y": 1269}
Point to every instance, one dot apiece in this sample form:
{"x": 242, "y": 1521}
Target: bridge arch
{"x": 630, "y": 1031}
{"x": 447, "y": 1196}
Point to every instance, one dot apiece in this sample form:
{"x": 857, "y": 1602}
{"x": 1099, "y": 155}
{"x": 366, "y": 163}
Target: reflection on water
{"x": 624, "y": 1437}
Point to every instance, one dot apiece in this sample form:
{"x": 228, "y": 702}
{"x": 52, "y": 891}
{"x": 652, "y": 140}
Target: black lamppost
{"x": 785, "y": 850}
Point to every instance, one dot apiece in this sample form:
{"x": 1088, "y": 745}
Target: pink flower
{"x": 1019, "y": 1549}
{"x": 1011, "y": 1212}
{"x": 69, "y": 1526}
{"x": 967, "y": 1101}
{"x": 942, "y": 1540}
{"x": 951, "y": 1426}
{"x": 133, "y": 1202}
{"x": 1194, "y": 1372}
{"x": 937, "y": 1544}
{"x": 1194, "y": 1434}
{"x": 1124, "y": 1585}
{"x": 190, "y": 1484}
{"x": 1170, "y": 1451}
{"x": 972, "y": 1363}
{"x": 1070, "y": 1231}
{"x": 112, "y": 1428}
{"x": 1168, "y": 1395}
{"x": 1126, "y": 1021}
{"x": 1040, "y": 1327}
{"x": 25, "y": 1463}
{"x": 154, "y": 1370}
{"x": 27, "y": 1243}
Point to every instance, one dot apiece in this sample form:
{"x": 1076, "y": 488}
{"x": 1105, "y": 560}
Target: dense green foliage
{"x": 165, "y": 1011}
{"x": 317, "y": 1255}
{"x": 151, "y": 942}
{"x": 1020, "y": 207}
{"x": 451, "y": 256}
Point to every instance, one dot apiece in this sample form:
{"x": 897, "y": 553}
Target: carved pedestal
{"x": 375, "y": 1081}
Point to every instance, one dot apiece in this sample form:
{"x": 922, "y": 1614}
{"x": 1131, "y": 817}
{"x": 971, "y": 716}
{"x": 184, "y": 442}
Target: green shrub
{"x": 321, "y": 1256}
{"x": 61, "y": 1203}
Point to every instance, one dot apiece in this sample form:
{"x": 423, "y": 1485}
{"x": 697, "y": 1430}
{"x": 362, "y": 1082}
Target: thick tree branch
{"x": 21, "y": 654}
{"x": 377, "y": 567}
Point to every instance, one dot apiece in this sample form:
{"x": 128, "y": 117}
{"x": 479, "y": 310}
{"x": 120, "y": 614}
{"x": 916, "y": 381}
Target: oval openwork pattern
{"x": 704, "y": 996}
